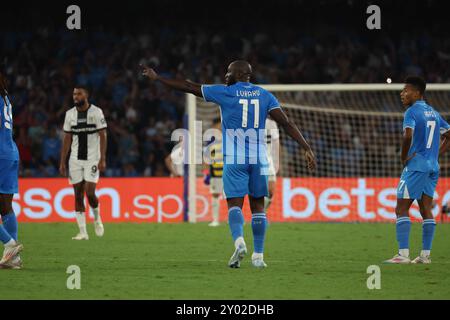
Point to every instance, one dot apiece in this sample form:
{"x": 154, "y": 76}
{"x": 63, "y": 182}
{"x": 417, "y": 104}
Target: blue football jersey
{"x": 244, "y": 108}
{"x": 8, "y": 148}
{"x": 428, "y": 125}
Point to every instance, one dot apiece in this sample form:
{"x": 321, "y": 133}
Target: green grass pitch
{"x": 189, "y": 261}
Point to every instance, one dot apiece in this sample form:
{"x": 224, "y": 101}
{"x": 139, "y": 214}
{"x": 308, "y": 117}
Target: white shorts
{"x": 216, "y": 185}
{"x": 86, "y": 170}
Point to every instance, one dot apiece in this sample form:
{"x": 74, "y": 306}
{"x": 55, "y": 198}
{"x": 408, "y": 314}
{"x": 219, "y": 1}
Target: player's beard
{"x": 79, "y": 103}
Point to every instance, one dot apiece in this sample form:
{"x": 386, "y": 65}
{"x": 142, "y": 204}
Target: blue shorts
{"x": 9, "y": 172}
{"x": 415, "y": 183}
{"x": 242, "y": 179}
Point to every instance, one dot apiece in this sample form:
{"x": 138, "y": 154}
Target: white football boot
{"x": 14, "y": 263}
{"x": 258, "y": 260}
{"x": 422, "y": 259}
{"x": 10, "y": 252}
{"x": 238, "y": 255}
{"x": 398, "y": 259}
{"x": 99, "y": 229}
{"x": 81, "y": 236}
{"x": 214, "y": 224}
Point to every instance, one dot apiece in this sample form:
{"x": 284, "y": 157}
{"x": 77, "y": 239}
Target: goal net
{"x": 355, "y": 131}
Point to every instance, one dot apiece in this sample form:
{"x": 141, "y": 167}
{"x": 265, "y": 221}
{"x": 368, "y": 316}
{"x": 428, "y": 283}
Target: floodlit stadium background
{"x": 294, "y": 42}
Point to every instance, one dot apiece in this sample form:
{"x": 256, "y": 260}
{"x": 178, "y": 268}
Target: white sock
{"x": 97, "y": 216}
{"x": 81, "y": 220}
{"x": 238, "y": 242}
{"x": 215, "y": 209}
{"x": 257, "y": 256}
{"x": 404, "y": 252}
{"x": 10, "y": 243}
{"x": 425, "y": 253}
{"x": 267, "y": 202}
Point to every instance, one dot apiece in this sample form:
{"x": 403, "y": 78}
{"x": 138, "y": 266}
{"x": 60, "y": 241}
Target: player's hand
{"x": 63, "y": 169}
{"x": 404, "y": 162}
{"x": 102, "y": 165}
{"x": 149, "y": 72}
{"x": 310, "y": 160}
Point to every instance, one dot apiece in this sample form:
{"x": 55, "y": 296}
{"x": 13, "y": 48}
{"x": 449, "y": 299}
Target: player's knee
{"x": 426, "y": 213}
{"x": 257, "y": 208}
{"x": 90, "y": 194}
{"x": 92, "y": 198}
{"x": 79, "y": 201}
{"x": 400, "y": 211}
{"x": 79, "y": 206}
{"x": 7, "y": 209}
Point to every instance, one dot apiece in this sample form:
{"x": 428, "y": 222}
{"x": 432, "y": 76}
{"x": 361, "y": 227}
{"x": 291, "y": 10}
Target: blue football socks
{"x": 259, "y": 224}
{"x": 428, "y": 228}
{"x": 10, "y": 224}
{"x": 236, "y": 222}
{"x": 5, "y": 237}
{"x": 403, "y": 228}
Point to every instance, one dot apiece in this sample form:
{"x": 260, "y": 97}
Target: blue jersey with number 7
{"x": 8, "y": 148}
{"x": 244, "y": 108}
{"x": 428, "y": 125}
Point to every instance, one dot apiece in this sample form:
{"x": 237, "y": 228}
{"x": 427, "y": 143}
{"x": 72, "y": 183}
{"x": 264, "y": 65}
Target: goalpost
{"x": 355, "y": 131}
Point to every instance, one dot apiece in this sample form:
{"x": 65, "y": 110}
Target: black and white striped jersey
{"x": 84, "y": 127}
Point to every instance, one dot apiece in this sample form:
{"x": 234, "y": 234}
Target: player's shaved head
{"x": 241, "y": 66}
{"x": 238, "y": 71}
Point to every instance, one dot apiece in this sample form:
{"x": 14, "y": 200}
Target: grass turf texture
{"x": 189, "y": 261}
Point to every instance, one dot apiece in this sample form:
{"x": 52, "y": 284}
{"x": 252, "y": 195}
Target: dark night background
{"x": 286, "y": 42}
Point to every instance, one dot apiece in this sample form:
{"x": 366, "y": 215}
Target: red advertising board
{"x": 161, "y": 200}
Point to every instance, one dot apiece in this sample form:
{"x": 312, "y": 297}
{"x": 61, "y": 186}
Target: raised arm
{"x": 177, "y": 84}
{"x": 292, "y": 130}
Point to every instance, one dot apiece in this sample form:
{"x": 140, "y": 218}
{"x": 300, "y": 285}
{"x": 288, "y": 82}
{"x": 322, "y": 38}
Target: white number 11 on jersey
{"x": 255, "y": 103}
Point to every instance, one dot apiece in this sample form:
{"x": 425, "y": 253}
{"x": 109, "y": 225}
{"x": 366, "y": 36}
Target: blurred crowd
{"x": 43, "y": 67}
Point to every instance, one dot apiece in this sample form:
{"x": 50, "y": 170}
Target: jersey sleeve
{"x": 444, "y": 126}
{"x": 273, "y": 103}
{"x": 214, "y": 93}
{"x": 100, "y": 121}
{"x": 409, "y": 121}
{"x": 67, "y": 128}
